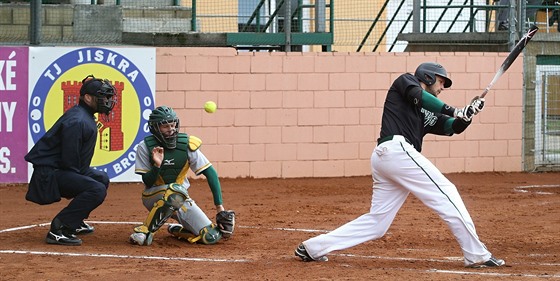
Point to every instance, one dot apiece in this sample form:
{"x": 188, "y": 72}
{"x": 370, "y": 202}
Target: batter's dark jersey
{"x": 403, "y": 113}
{"x": 69, "y": 144}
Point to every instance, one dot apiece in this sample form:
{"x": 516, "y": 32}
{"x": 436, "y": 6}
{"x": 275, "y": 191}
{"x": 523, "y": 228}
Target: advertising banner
{"x": 13, "y": 114}
{"x": 55, "y": 78}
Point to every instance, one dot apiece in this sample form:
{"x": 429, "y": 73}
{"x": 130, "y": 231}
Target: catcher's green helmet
{"x": 164, "y": 115}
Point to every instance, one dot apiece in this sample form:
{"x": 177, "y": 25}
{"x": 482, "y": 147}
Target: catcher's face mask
{"x": 164, "y": 125}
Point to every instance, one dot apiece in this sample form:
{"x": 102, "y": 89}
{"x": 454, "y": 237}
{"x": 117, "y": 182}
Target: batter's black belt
{"x": 391, "y": 137}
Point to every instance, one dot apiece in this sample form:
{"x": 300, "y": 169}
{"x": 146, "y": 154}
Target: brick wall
{"x": 319, "y": 114}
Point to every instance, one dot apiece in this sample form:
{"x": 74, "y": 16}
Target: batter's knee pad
{"x": 208, "y": 235}
{"x": 174, "y": 197}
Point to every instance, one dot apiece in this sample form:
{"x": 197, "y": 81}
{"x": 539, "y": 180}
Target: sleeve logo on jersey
{"x": 430, "y": 118}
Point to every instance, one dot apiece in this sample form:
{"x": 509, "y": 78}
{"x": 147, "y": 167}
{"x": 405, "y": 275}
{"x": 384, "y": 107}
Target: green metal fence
{"x": 315, "y": 25}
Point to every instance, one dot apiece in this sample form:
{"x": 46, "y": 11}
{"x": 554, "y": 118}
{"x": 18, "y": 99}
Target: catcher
{"x": 163, "y": 160}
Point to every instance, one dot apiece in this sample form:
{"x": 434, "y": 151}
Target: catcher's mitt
{"x": 226, "y": 222}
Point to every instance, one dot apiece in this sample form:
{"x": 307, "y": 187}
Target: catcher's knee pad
{"x": 173, "y": 199}
{"x": 178, "y": 188}
{"x": 175, "y": 195}
{"x": 208, "y": 235}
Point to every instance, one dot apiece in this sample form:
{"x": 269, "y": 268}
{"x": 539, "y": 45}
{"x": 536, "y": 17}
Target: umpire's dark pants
{"x": 88, "y": 192}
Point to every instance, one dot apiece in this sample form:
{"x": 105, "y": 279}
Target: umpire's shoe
{"x": 301, "y": 253}
{"x": 84, "y": 228}
{"x": 60, "y": 234}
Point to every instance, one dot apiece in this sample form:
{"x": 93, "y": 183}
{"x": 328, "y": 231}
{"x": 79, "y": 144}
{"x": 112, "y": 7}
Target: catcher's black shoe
{"x": 85, "y": 228}
{"x": 178, "y": 231}
{"x": 492, "y": 262}
{"x": 301, "y": 253}
{"x": 62, "y": 235}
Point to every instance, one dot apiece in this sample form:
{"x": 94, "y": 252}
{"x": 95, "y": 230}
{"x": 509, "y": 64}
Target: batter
{"x": 411, "y": 111}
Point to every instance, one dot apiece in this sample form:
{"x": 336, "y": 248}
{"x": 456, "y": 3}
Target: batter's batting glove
{"x": 477, "y": 104}
{"x": 466, "y": 113}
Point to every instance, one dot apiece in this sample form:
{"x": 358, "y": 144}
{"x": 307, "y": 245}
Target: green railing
{"x": 424, "y": 8}
{"x": 295, "y": 36}
{"x": 264, "y": 29}
{"x": 473, "y": 10}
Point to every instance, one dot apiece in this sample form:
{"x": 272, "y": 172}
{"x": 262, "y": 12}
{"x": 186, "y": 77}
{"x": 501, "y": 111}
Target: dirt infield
{"x": 517, "y": 215}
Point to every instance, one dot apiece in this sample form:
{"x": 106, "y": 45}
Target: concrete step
{"x": 456, "y": 42}
{"x": 156, "y": 25}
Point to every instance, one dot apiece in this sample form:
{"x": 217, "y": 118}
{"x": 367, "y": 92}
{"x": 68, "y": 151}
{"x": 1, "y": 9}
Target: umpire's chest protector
{"x": 175, "y": 161}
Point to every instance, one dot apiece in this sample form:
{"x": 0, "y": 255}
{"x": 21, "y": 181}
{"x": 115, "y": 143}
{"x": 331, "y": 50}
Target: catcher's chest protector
{"x": 174, "y": 160}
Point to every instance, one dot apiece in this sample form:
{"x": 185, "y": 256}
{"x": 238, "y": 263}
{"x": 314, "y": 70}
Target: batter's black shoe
{"x": 301, "y": 253}
{"x": 492, "y": 262}
{"x": 62, "y": 235}
{"x": 85, "y": 229}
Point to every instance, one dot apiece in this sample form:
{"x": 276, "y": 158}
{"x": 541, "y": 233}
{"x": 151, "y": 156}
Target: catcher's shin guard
{"x": 173, "y": 199}
{"x": 208, "y": 235}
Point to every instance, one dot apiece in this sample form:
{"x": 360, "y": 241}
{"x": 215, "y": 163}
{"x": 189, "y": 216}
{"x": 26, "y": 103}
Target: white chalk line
{"x": 525, "y": 188}
{"x": 494, "y": 274}
{"x": 134, "y": 223}
{"x": 539, "y": 185}
{"x": 447, "y": 260}
{"x": 117, "y": 256}
{"x": 24, "y": 227}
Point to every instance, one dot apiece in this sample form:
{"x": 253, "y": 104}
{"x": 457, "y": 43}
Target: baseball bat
{"x": 512, "y": 56}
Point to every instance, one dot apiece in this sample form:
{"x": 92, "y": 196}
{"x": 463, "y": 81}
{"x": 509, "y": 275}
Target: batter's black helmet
{"x": 427, "y": 72}
{"x": 164, "y": 115}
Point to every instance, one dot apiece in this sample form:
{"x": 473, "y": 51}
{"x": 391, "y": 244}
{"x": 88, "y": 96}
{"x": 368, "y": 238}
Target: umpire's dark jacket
{"x": 67, "y": 145}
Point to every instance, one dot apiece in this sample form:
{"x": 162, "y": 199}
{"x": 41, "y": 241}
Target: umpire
{"x": 61, "y": 164}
